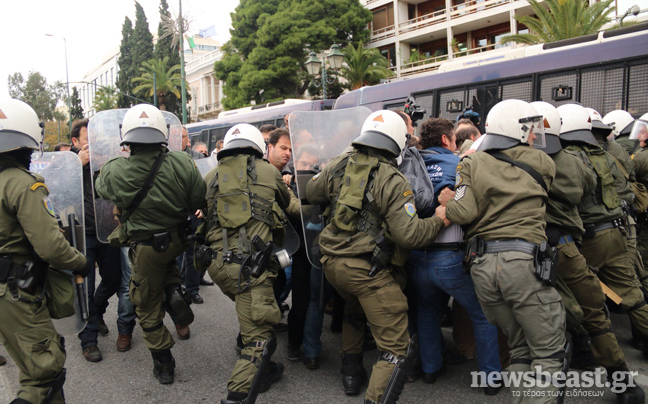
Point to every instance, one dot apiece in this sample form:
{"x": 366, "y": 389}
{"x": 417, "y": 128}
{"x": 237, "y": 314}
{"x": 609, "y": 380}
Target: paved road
{"x": 204, "y": 363}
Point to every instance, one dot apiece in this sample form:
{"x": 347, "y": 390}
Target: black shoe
{"x": 631, "y": 395}
{"x": 312, "y": 363}
{"x": 205, "y": 282}
{"x": 3, "y": 361}
{"x": 431, "y": 378}
{"x": 294, "y": 353}
{"x": 275, "y": 370}
{"x": 179, "y": 305}
{"x": 454, "y": 358}
{"x": 102, "y": 327}
{"x": 92, "y": 354}
{"x": 197, "y": 299}
{"x": 164, "y": 371}
{"x": 492, "y": 391}
{"x": 354, "y": 374}
{"x": 234, "y": 397}
{"x": 284, "y": 308}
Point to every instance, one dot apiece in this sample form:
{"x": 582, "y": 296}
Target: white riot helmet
{"x": 242, "y": 136}
{"x": 384, "y": 130}
{"x": 551, "y": 123}
{"x": 640, "y": 129}
{"x": 510, "y": 123}
{"x": 620, "y": 121}
{"x": 576, "y": 124}
{"x": 144, "y": 124}
{"x": 600, "y": 129}
{"x": 19, "y": 126}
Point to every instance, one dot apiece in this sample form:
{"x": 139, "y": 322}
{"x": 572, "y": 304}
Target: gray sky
{"x": 92, "y": 29}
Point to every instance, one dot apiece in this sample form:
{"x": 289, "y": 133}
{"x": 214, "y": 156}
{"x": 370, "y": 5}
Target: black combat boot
{"x": 178, "y": 303}
{"x": 273, "y": 374}
{"x": 633, "y": 394}
{"x": 582, "y": 356}
{"x": 234, "y": 397}
{"x": 354, "y": 374}
{"x": 369, "y": 402}
{"x": 19, "y": 401}
{"x": 163, "y": 366}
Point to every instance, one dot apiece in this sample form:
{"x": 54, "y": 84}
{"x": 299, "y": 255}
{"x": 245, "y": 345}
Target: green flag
{"x": 191, "y": 42}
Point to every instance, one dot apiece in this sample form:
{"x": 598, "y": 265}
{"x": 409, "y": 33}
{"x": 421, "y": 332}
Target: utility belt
{"x": 545, "y": 256}
{"x": 557, "y": 235}
{"x": 593, "y": 228}
{"x": 161, "y": 241}
{"x": 26, "y": 276}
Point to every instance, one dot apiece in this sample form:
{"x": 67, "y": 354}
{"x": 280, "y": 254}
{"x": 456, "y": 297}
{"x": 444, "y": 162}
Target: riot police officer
{"x": 500, "y": 196}
{"x": 372, "y": 220}
{"x": 30, "y": 240}
{"x": 604, "y": 241}
{"x": 564, "y": 229}
{"x": 622, "y": 123}
{"x": 155, "y": 190}
{"x": 243, "y": 224}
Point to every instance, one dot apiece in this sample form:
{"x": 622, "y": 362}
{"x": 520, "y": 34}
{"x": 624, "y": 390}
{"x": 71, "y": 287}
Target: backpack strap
{"x": 141, "y": 194}
{"x": 530, "y": 170}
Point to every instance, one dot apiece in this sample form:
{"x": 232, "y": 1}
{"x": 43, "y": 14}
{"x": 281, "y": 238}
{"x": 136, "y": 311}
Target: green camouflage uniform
{"x": 346, "y": 260}
{"x": 26, "y": 329}
{"x": 497, "y": 202}
{"x": 573, "y": 180}
{"x": 178, "y": 190}
{"x": 256, "y": 307}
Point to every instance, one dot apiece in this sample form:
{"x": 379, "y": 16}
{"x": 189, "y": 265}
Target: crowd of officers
{"x": 529, "y": 230}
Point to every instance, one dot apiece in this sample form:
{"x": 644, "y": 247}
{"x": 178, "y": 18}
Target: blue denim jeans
{"x": 125, "y": 309}
{"x": 435, "y": 274}
{"x": 106, "y": 258}
{"x": 312, "y": 343}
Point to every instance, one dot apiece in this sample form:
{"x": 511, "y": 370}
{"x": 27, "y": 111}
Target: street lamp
{"x": 67, "y": 79}
{"x": 313, "y": 65}
{"x": 634, "y": 10}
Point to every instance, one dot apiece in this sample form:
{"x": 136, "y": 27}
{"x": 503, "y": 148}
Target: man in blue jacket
{"x": 436, "y": 270}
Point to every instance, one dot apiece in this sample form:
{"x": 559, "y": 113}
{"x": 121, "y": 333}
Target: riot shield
{"x": 63, "y": 175}
{"x": 103, "y": 142}
{"x": 206, "y": 165}
{"x": 317, "y": 137}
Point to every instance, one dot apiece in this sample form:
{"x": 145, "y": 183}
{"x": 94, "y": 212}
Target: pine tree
{"x": 76, "y": 110}
{"x": 141, "y": 44}
{"x": 125, "y": 62}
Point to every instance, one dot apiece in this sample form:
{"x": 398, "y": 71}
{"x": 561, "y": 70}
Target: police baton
{"x": 78, "y": 279}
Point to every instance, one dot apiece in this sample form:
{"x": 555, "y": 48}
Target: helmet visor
{"x": 639, "y": 131}
{"x": 533, "y": 128}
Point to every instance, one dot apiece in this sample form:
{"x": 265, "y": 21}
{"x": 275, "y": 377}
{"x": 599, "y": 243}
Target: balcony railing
{"x": 382, "y": 33}
{"x": 472, "y": 6}
{"x": 423, "y": 21}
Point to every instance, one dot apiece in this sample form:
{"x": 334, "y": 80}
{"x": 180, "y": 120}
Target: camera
{"x": 414, "y": 110}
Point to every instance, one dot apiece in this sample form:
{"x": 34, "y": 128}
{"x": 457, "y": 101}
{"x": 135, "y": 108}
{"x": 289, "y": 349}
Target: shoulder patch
{"x": 315, "y": 176}
{"x": 459, "y": 167}
{"x": 410, "y": 209}
{"x": 49, "y": 207}
{"x": 458, "y": 180}
{"x": 408, "y": 193}
{"x": 460, "y": 192}
{"x": 38, "y": 185}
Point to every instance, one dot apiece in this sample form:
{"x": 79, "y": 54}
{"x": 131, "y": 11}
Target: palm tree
{"x": 105, "y": 98}
{"x": 564, "y": 19}
{"x": 364, "y": 66}
{"x": 158, "y": 78}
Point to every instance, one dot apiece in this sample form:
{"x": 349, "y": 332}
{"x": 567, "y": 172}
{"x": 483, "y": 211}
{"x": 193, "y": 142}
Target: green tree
{"x": 105, "y": 98}
{"x": 141, "y": 42}
{"x": 158, "y": 77}
{"x": 35, "y": 91}
{"x": 125, "y": 61}
{"x": 76, "y": 110}
{"x": 563, "y": 20}
{"x": 364, "y": 67}
{"x": 168, "y": 45}
{"x": 264, "y": 59}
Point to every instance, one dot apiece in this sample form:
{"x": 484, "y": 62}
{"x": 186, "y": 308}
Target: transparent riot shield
{"x": 63, "y": 175}
{"x": 104, "y": 138}
{"x": 317, "y": 137}
{"x": 206, "y": 165}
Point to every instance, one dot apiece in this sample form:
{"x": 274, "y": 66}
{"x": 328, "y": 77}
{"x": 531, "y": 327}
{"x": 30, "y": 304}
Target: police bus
{"x": 604, "y": 71}
{"x": 213, "y": 130}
